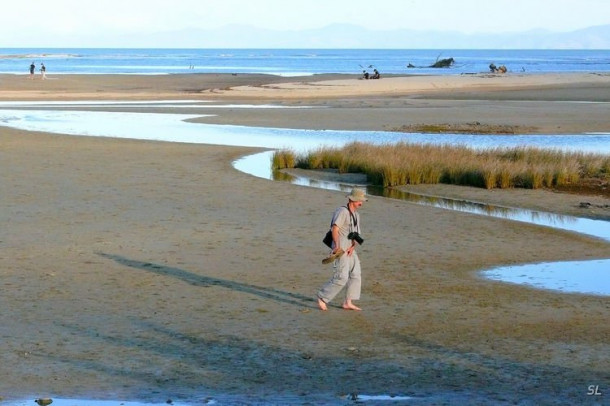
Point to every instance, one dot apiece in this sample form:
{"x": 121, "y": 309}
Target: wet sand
{"x": 149, "y": 271}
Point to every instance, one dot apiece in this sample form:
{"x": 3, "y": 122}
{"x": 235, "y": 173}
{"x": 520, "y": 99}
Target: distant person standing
{"x": 32, "y": 69}
{"x": 43, "y": 71}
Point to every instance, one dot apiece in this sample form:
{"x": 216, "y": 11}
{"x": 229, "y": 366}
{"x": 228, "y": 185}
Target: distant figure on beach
{"x": 345, "y": 230}
{"x": 365, "y": 74}
{"x": 32, "y": 69}
{"x": 43, "y": 71}
{"x": 494, "y": 69}
{"x": 376, "y": 74}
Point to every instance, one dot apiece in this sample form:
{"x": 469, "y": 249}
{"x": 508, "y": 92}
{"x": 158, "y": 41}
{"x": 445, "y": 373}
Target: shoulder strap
{"x": 354, "y": 220}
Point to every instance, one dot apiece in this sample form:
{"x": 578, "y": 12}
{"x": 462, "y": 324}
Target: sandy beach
{"x": 149, "y": 271}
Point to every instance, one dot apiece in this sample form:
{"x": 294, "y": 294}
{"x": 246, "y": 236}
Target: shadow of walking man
{"x": 207, "y": 281}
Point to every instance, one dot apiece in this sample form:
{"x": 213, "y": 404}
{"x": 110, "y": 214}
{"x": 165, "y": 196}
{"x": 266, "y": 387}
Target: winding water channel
{"x": 588, "y": 277}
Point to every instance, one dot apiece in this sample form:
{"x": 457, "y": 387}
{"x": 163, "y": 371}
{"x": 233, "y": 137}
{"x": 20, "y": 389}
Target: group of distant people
{"x": 43, "y": 71}
{"x": 375, "y": 75}
{"x": 494, "y": 69}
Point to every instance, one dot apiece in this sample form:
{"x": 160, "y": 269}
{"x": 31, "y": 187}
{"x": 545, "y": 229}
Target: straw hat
{"x": 357, "y": 195}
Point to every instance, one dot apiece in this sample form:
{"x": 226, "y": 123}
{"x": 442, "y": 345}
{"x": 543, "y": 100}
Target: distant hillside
{"x": 336, "y": 36}
{"x": 350, "y": 36}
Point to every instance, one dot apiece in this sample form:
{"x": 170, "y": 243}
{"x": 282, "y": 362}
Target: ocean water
{"x": 296, "y": 62}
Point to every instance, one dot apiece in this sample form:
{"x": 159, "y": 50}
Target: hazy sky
{"x": 22, "y": 20}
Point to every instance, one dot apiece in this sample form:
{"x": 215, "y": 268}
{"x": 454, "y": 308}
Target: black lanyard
{"x": 354, "y": 220}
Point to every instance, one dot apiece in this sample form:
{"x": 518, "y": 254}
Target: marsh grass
{"x": 283, "y": 159}
{"x": 403, "y": 164}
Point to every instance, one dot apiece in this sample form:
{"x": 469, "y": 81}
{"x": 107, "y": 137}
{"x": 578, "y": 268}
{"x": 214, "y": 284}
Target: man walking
{"x": 345, "y": 229}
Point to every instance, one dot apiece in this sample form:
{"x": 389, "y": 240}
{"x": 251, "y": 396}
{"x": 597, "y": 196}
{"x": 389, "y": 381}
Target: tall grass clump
{"x": 404, "y": 163}
{"x": 283, "y": 159}
{"x": 322, "y": 158}
{"x": 490, "y": 176}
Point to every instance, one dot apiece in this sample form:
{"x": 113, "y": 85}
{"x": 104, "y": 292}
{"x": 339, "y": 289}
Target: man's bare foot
{"x": 348, "y": 305}
{"x": 322, "y": 304}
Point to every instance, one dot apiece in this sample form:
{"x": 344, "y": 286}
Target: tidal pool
{"x": 230, "y": 401}
{"x": 88, "y": 402}
{"x": 588, "y": 277}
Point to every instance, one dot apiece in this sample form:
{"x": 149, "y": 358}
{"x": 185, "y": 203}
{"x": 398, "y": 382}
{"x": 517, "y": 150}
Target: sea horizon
{"x": 298, "y": 61}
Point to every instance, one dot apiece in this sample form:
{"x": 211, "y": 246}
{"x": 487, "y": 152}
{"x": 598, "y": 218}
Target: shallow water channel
{"x": 82, "y": 119}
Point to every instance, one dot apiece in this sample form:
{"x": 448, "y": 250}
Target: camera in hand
{"x": 355, "y": 236}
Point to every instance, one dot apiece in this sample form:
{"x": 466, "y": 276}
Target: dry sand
{"x": 150, "y": 271}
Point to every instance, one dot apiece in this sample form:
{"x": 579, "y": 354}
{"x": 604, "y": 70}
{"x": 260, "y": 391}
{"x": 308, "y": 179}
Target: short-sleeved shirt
{"x": 346, "y": 223}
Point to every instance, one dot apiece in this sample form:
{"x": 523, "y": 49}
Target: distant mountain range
{"x": 337, "y": 36}
{"x": 351, "y": 36}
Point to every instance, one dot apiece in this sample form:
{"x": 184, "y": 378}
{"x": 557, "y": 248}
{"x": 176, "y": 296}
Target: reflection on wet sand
{"x": 595, "y": 228}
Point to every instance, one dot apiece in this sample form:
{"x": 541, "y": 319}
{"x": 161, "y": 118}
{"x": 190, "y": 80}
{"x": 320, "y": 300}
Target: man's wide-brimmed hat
{"x": 357, "y": 195}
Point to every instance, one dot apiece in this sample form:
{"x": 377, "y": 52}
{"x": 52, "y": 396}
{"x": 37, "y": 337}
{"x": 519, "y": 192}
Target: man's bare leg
{"x": 322, "y": 304}
{"x": 348, "y": 305}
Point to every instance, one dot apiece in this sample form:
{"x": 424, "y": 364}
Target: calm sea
{"x": 293, "y": 62}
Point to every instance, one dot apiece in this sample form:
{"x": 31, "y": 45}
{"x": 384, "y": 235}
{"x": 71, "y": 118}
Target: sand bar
{"x": 553, "y": 103}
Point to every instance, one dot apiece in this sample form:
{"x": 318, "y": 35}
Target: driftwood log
{"x": 440, "y": 63}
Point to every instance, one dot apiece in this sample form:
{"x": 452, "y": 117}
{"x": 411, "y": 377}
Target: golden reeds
{"x": 404, "y": 163}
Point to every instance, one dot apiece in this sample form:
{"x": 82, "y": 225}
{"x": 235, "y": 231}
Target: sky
{"x": 25, "y": 21}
